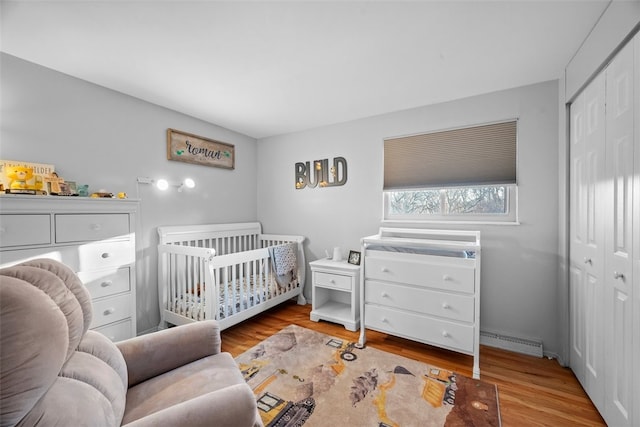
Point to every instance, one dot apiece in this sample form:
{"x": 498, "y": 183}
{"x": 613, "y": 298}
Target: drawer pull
{"x": 95, "y": 227}
{"x": 383, "y": 320}
{"x": 105, "y": 255}
{"x": 446, "y": 334}
{"x": 446, "y": 306}
{"x": 617, "y": 275}
{"x": 384, "y": 269}
{"x": 588, "y": 261}
{"x": 333, "y": 282}
{"x": 384, "y": 294}
{"x": 109, "y": 311}
{"x": 106, "y": 283}
{"x": 446, "y": 278}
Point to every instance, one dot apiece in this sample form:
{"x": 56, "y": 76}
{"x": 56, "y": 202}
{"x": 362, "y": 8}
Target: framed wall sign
{"x": 189, "y": 148}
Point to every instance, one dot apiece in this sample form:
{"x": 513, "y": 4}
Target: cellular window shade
{"x": 478, "y": 155}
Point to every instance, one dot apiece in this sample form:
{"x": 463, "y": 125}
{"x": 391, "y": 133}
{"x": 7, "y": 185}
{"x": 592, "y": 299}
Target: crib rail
{"x": 183, "y": 272}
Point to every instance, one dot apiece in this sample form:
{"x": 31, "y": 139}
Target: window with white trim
{"x": 466, "y": 174}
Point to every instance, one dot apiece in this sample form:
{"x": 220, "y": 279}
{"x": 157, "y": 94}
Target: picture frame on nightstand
{"x": 354, "y": 258}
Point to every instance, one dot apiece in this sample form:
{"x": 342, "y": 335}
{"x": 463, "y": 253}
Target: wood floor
{"x": 532, "y": 391}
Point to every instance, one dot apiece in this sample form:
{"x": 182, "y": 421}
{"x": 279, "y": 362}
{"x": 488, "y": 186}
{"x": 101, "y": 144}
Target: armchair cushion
{"x": 213, "y": 376}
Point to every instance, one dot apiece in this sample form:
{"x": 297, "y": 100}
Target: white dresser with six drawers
{"x": 423, "y": 285}
{"x": 94, "y": 237}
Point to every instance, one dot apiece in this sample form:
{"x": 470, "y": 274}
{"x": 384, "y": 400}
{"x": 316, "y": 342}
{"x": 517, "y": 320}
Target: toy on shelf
{"x": 22, "y": 177}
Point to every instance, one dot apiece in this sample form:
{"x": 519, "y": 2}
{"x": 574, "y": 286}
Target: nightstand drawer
{"x": 106, "y": 282}
{"x": 91, "y": 227}
{"x": 21, "y": 230}
{"x": 334, "y": 281}
{"x": 111, "y": 310}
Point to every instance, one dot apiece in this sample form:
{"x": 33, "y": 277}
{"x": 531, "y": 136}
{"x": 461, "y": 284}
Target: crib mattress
{"x": 237, "y": 298}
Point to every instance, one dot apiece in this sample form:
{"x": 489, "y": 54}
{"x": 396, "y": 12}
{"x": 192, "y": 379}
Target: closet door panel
{"x": 636, "y": 232}
{"x": 577, "y": 232}
{"x": 576, "y": 320}
{"x": 587, "y": 238}
{"x": 619, "y": 246}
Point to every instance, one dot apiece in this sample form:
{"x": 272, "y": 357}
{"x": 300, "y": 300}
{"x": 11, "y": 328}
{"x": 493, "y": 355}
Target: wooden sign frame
{"x": 189, "y": 148}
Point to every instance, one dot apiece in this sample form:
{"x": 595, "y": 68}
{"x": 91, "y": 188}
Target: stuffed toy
{"x": 18, "y": 176}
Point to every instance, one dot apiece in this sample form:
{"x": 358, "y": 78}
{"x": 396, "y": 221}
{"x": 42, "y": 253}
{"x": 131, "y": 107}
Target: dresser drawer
{"x": 117, "y": 331}
{"x": 20, "y": 230}
{"x": 440, "y": 304}
{"x": 334, "y": 281}
{"x": 91, "y": 227}
{"x": 416, "y": 327}
{"x": 89, "y": 256}
{"x": 104, "y": 255}
{"x": 111, "y": 310}
{"x": 106, "y": 282}
{"x": 449, "y": 274}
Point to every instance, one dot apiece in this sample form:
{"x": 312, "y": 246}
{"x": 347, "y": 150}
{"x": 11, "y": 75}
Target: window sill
{"x": 405, "y": 222}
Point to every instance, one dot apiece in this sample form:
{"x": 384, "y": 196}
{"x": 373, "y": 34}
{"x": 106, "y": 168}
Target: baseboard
{"x": 506, "y": 342}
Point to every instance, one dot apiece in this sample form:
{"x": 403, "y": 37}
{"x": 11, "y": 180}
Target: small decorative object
{"x": 67, "y": 188}
{"x": 102, "y": 194}
{"x": 18, "y": 177}
{"x": 185, "y": 147}
{"x": 354, "y": 258}
{"x": 54, "y": 182}
{"x": 122, "y": 195}
{"x": 72, "y": 188}
{"x": 83, "y": 190}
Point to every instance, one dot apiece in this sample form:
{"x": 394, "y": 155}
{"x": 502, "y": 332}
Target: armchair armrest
{"x": 234, "y": 406}
{"x": 153, "y": 354}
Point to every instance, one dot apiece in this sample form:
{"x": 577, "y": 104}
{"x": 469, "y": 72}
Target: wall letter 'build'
{"x": 320, "y": 174}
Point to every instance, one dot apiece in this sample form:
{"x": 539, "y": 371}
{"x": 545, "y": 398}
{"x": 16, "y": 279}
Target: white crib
{"x": 222, "y": 272}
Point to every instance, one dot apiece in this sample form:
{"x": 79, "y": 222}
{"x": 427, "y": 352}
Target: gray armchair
{"x": 54, "y": 371}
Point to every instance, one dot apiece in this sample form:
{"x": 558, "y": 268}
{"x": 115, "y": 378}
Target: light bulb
{"x": 189, "y": 183}
{"x": 162, "y": 184}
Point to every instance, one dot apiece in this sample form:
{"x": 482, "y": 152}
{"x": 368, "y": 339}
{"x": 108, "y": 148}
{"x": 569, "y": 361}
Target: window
{"x": 464, "y": 174}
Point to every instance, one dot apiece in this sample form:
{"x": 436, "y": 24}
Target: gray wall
{"x": 520, "y": 262}
{"x": 107, "y": 139}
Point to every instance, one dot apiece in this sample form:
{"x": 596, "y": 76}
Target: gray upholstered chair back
{"x": 54, "y": 370}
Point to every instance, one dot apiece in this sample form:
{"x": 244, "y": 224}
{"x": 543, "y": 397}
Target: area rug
{"x": 302, "y": 377}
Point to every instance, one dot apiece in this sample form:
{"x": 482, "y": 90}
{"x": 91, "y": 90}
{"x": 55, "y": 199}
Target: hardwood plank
{"x": 532, "y": 391}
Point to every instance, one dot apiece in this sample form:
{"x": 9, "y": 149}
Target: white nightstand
{"x": 336, "y": 287}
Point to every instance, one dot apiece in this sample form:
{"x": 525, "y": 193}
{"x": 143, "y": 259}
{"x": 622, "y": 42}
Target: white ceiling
{"x": 265, "y": 68}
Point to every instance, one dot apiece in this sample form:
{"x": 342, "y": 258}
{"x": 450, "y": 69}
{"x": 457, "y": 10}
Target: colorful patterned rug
{"x": 302, "y": 377}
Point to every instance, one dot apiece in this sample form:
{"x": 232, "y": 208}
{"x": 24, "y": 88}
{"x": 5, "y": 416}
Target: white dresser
{"x": 423, "y": 285}
{"x": 95, "y": 237}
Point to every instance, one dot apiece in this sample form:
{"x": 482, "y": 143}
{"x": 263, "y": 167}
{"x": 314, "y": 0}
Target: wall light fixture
{"x": 162, "y": 184}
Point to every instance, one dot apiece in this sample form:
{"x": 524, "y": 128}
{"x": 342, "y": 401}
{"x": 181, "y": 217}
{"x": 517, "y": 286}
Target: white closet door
{"x": 636, "y": 233}
{"x": 619, "y": 239}
{"x": 587, "y": 238}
